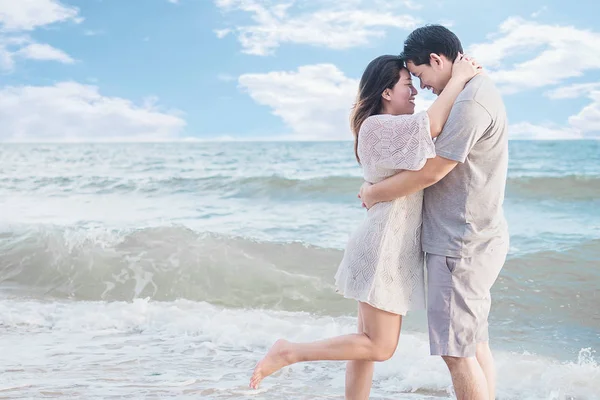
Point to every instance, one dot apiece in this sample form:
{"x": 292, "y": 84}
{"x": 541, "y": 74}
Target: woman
{"x": 382, "y": 267}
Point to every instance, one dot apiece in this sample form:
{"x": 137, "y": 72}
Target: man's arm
{"x": 407, "y": 182}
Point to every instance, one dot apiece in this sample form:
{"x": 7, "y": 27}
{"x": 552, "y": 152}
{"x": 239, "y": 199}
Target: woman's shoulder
{"x": 379, "y": 117}
{"x": 374, "y": 121}
{"x": 384, "y": 120}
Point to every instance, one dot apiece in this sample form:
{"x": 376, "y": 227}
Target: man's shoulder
{"x": 475, "y": 86}
{"x": 481, "y": 91}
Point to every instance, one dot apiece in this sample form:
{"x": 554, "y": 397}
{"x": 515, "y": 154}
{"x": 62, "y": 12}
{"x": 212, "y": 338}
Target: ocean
{"x": 167, "y": 270}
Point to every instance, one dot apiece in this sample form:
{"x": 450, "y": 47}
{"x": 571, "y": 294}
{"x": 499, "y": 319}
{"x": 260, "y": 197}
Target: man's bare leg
{"x": 486, "y": 361}
{"x": 468, "y": 378}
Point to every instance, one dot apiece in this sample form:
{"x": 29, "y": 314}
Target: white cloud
{"x": 331, "y": 24}
{"x": 587, "y": 120}
{"x": 412, "y": 5}
{"x": 539, "y": 12}
{"x": 221, "y": 33}
{"x": 91, "y": 32}
{"x": 17, "y": 17}
{"x": 573, "y": 91}
{"x": 585, "y": 124}
{"x": 447, "y": 23}
{"x": 14, "y": 47}
{"x": 7, "y": 50}
{"x": 173, "y": 1}
{"x": 226, "y": 77}
{"x": 6, "y": 59}
{"x": 26, "y": 15}
{"x": 528, "y": 131}
{"x": 69, "y": 111}
{"x": 553, "y": 54}
{"x": 36, "y": 51}
{"x": 314, "y": 101}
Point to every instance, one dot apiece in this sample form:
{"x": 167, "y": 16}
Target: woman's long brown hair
{"x": 381, "y": 73}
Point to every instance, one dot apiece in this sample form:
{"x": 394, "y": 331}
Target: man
{"x": 464, "y": 234}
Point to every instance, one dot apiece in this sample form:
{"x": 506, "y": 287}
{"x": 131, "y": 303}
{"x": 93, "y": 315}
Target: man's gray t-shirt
{"x": 462, "y": 214}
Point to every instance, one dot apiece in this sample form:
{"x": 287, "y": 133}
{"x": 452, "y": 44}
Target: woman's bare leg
{"x": 359, "y": 374}
{"x": 377, "y": 342}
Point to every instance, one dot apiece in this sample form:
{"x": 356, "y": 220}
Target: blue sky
{"x": 154, "y": 70}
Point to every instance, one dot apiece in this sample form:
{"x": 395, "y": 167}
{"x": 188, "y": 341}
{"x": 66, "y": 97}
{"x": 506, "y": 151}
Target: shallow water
{"x": 167, "y": 270}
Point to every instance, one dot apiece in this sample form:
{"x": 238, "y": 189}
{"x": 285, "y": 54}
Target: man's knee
{"x": 456, "y": 364}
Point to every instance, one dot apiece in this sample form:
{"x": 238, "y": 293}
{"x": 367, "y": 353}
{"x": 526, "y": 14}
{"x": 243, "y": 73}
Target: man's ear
{"x": 436, "y": 61}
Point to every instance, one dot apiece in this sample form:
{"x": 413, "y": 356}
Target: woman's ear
{"x": 386, "y": 94}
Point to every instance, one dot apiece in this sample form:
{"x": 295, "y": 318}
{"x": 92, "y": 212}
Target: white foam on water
{"x": 185, "y": 349}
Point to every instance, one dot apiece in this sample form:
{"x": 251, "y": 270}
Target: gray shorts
{"x": 458, "y": 296}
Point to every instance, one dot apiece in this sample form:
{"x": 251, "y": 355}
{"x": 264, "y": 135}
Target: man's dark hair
{"x": 431, "y": 39}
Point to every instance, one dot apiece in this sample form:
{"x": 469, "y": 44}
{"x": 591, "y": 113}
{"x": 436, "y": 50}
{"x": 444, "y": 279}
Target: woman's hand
{"x": 365, "y": 195}
{"x": 465, "y": 68}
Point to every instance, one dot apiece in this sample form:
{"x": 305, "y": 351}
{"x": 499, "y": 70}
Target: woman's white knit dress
{"x": 383, "y": 264}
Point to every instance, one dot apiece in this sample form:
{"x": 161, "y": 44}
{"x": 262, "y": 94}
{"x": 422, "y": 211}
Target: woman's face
{"x": 401, "y": 98}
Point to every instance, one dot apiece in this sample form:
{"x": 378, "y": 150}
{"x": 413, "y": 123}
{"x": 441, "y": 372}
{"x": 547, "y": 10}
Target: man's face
{"x": 433, "y": 76}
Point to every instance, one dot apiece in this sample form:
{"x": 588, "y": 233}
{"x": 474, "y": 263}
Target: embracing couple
{"x": 433, "y": 203}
